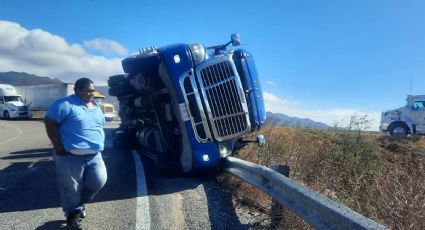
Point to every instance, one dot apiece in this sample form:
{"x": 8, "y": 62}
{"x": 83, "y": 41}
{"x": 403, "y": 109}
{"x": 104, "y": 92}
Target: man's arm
{"x": 53, "y": 133}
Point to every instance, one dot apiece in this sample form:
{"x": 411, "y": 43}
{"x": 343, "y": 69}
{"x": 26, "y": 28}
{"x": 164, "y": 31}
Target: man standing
{"x": 74, "y": 125}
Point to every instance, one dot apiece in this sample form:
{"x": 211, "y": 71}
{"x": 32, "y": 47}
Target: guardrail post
{"x": 278, "y": 210}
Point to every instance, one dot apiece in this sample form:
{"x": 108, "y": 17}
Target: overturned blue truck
{"x": 187, "y": 104}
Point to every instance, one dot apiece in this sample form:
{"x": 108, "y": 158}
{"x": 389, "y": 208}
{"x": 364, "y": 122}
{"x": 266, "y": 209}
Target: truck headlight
{"x": 198, "y": 53}
{"x": 224, "y": 149}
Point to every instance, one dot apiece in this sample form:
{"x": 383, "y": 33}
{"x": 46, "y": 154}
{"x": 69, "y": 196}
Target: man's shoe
{"x": 83, "y": 212}
{"x": 73, "y": 220}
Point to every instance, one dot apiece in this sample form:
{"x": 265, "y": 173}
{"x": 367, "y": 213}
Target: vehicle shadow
{"x": 30, "y": 185}
{"x": 28, "y": 182}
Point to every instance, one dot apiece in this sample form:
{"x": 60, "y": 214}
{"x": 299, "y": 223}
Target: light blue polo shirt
{"x": 80, "y": 128}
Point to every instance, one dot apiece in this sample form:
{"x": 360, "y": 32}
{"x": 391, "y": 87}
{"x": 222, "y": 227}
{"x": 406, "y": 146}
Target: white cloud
{"x": 106, "y": 46}
{"x": 42, "y": 53}
{"x": 330, "y": 117}
{"x": 270, "y": 83}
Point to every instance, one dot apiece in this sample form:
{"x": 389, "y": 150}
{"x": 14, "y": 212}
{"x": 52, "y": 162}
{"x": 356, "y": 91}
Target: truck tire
{"x": 116, "y": 79}
{"x": 140, "y": 63}
{"x": 119, "y": 85}
{"x": 399, "y": 129}
{"x": 6, "y": 115}
{"x": 119, "y": 91}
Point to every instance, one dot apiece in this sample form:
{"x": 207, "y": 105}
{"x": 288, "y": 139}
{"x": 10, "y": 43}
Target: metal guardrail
{"x": 316, "y": 209}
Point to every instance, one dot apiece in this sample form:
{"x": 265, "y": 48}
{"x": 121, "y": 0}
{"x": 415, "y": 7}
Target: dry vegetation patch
{"x": 379, "y": 177}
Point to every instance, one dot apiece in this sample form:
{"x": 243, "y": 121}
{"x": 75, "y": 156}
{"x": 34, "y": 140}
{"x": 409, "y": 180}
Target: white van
{"x": 409, "y": 119}
{"x": 11, "y": 104}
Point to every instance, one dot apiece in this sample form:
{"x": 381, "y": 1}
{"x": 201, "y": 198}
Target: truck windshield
{"x": 109, "y": 109}
{"x": 12, "y": 98}
{"x": 418, "y": 105}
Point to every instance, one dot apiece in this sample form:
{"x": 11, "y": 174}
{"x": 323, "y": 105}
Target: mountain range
{"x": 21, "y": 79}
{"x": 279, "y": 119}
{"x": 275, "y": 119}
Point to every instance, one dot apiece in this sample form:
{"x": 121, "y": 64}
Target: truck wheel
{"x": 119, "y": 85}
{"x": 400, "y": 130}
{"x": 116, "y": 79}
{"x": 120, "y": 90}
{"x": 140, "y": 63}
{"x": 6, "y": 115}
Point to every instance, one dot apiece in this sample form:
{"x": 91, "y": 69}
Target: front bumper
{"x": 383, "y": 127}
{"x": 110, "y": 116}
{"x": 20, "y": 114}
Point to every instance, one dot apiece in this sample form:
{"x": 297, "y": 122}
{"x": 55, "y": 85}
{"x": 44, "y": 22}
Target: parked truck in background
{"x": 40, "y": 97}
{"x": 409, "y": 119}
{"x": 11, "y": 104}
{"x": 188, "y": 104}
{"x": 107, "y": 108}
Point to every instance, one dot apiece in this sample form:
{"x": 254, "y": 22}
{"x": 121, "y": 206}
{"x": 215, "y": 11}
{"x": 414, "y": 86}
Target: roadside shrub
{"x": 357, "y": 163}
{"x": 393, "y": 146}
{"x": 379, "y": 177}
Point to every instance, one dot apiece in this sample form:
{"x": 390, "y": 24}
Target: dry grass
{"x": 380, "y": 178}
{"x": 401, "y": 185}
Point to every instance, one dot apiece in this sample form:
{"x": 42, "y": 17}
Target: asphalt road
{"x": 189, "y": 202}
{"x": 29, "y": 198}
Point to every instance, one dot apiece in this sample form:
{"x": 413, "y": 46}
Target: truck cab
{"x": 107, "y": 108}
{"x": 11, "y": 104}
{"x": 409, "y": 119}
{"x": 189, "y": 104}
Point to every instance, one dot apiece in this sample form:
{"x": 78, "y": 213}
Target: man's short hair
{"x": 81, "y": 83}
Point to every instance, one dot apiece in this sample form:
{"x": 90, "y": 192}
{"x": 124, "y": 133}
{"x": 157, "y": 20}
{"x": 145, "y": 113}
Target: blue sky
{"x": 323, "y": 60}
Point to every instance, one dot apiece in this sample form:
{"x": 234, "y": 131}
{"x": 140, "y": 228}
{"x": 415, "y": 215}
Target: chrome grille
{"x": 22, "y": 108}
{"x": 225, "y": 99}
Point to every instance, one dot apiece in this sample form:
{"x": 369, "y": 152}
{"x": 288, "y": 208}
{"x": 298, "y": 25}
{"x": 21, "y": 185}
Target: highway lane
{"x": 189, "y": 202}
{"x": 28, "y": 195}
{"x": 29, "y": 198}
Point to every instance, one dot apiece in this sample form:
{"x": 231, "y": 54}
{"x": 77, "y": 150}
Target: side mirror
{"x": 236, "y": 40}
{"x": 261, "y": 140}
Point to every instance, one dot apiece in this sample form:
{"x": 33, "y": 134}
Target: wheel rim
{"x": 399, "y": 131}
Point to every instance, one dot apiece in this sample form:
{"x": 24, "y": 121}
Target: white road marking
{"x": 143, "y": 219}
{"x": 13, "y": 138}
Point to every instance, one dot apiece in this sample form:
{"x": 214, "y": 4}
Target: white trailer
{"x": 40, "y": 97}
{"x": 11, "y": 104}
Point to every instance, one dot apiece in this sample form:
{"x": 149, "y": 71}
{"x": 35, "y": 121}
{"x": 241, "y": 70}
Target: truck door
{"x": 418, "y": 116}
